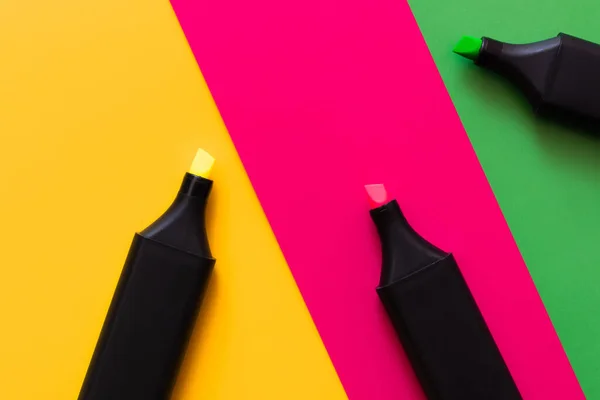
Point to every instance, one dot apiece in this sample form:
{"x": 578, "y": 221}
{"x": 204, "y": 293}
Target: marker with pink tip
{"x": 434, "y": 313}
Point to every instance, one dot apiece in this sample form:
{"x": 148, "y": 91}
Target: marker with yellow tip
{"x": 157, "y": 299}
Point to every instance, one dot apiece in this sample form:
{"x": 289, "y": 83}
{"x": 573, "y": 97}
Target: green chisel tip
{"x": 468, "y": 47}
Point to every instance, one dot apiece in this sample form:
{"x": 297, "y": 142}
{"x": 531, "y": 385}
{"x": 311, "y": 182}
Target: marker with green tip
{"x": 559, "y": 76}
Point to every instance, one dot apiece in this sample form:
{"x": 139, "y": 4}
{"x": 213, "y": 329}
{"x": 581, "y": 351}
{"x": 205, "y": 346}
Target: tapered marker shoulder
{"x": 404, "y": 251}
{"x": 559, "y": 76}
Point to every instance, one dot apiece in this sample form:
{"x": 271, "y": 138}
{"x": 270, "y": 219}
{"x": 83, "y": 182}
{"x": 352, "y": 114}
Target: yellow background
{"x": 102, "y": 108}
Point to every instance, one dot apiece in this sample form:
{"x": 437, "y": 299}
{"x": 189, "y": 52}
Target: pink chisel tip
{"x": 378, "y": 196}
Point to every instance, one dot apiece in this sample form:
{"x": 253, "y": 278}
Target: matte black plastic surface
{"x": 155, "y": 304}
{"x": 559, "y": 76}
{"x": 404, "y": 250}
{"x": 575, "y": 81}
{"x": 148, "y": 325}
{"x": 436, "y": 317}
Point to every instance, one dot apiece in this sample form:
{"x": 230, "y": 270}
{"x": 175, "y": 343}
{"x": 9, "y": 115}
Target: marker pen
{"x": 157, "y": 299}
{"x": 434, "y": 314}
{"x": 559, "y": 76}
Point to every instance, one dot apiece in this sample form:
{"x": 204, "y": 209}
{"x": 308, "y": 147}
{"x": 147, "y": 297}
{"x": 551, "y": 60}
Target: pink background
{"x": 322, "y": 97}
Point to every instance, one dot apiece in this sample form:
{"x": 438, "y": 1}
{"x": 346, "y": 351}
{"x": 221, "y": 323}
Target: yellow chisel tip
{"x": 202, "y": 164}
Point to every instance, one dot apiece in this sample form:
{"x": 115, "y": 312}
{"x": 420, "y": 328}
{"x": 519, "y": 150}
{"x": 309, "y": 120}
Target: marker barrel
{"x": 148, "y": 324}
{"x": 445, "y": 336}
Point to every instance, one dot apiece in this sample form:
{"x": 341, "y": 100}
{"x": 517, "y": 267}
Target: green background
{"x": 546, "y": 177}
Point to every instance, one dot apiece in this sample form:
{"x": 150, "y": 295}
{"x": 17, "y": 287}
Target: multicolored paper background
{"x": 545, "y": 177}
{"x": 101, "y": 109}
{"x": 103, "y": 105}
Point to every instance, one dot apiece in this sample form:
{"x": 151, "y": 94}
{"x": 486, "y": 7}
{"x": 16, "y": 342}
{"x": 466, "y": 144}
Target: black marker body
{"x": 155, "y": 305}
{"x": 433, "y": 312}
{"x": 559, "y": 76}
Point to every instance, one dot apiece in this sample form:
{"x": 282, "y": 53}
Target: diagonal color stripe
{"x": 544, "y": 175}
{"x": 323, "y": 96}
{"x": 102, "y": 108}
